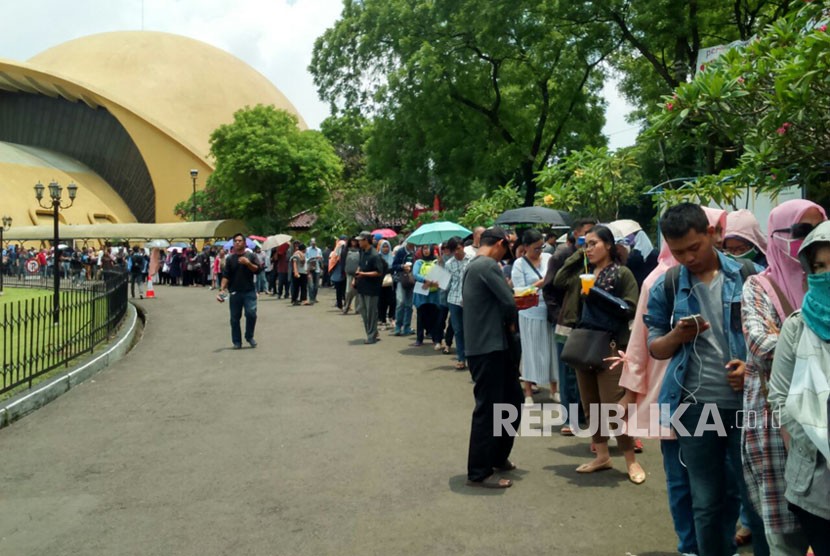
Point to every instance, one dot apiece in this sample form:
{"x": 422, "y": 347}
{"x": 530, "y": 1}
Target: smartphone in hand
{"x": 694, "y": 320}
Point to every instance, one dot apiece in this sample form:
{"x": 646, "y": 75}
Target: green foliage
{"x": 267, "y": 169}
{"x": 484, "y": 210}
{"x": 758, "y": 117}
{"x": 465, "y": 93}
{"x": 592, "y": 182}
{"x": 661, "y": 39}
{"x": 429, "y": 216}
{"x": 208, "y": 206}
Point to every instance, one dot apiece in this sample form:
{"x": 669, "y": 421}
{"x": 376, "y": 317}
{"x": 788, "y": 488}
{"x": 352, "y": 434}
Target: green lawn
{"x": 30, "y": 344}
{"x": 10, "y": 295}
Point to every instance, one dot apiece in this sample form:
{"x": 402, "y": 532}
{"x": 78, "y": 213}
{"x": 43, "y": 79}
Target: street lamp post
{"x": 194, "y": 173}
{"x": 7, "y": 223}
{"x": 55, "y": 192}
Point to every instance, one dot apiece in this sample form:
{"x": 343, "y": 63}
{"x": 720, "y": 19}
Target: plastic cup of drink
{"x": 588, "y": 281}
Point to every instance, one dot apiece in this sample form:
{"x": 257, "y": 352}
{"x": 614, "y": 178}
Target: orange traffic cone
{"x": 151, "y": 294}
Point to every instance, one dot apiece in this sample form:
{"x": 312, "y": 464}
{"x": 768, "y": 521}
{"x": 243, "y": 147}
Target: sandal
{"x": 638, "y": 446}
{"x": 446, "y": 350}
{"x": 506, "y": 468}
{"x": 491, "y": 482}
{"x": 460, "y": 366}
{"x": 743, "y": 537}
{"x": 566, "y": 431}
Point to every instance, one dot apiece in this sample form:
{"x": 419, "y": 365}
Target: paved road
{"x": 311, "y": 444}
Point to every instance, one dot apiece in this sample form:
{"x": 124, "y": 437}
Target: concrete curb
{"x": 26, "y": 402}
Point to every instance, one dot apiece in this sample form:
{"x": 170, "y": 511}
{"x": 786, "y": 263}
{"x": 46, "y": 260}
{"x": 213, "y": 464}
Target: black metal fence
{"x": 32, "y": 344}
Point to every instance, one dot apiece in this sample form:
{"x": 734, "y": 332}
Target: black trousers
{"x": 299, "y": 290}
{"x": 340, "y": 292}
{"x": 815, "y": 528}
{"x": 386, "y": 304}
{"x": 428, "y": 316}
{"x": 496, "y": 382}
{"x": 282, "y": 284}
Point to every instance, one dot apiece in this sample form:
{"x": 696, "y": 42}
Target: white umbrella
{"x": 158, "y": 244}
{"x": 275, "y": 241}
{"x": 625, "y": 227}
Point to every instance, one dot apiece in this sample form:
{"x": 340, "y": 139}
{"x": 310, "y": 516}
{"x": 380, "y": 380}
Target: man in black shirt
{"x": 368, "y": 283}
{"x": 238, "y": 277}
{"x": 489, "y": 316}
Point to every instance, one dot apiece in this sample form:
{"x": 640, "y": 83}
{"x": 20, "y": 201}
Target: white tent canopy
{"x": 169, "y": 230}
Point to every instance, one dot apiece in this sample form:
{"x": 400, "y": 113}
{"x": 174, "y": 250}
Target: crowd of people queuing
{"x": 723, "y": 318}
{"x": 77, "y": 264}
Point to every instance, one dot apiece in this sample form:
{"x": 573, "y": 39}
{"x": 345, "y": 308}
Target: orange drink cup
{"x": 588, "y": 281}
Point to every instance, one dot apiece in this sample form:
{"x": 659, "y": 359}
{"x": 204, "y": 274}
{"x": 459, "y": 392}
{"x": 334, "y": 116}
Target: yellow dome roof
{"x": 179, "y": 84}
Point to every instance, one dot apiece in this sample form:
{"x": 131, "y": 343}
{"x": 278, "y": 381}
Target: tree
{"x": 758, "y": 117}
{"x": 485, "y": 210}
{"x": 207, "y": 204}
{"x": 465, "y": 92}
{"x": 662, "y": 38}
{"x": 267, "y": 169}
{"x": 592, "y": 181}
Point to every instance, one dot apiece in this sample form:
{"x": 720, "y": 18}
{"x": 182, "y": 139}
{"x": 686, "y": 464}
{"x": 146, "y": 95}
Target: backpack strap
{"x": 670, "y": 287}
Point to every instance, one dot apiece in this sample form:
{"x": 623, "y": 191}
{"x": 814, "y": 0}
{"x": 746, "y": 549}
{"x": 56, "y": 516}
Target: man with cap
{"x": 490, "y": 316}
{"x": 368, "y": 281}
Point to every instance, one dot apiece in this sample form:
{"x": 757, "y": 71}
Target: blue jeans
{"x": 713, "y": 463}
{"x": 312, "y": 286}
{"x": 680, "y": 497}
{"x": 457, "y": 320}
{"x": 568, "y": 388}
{"x": 238, "y": 301}
{"x": 261, "y": 282}
{"x": 403, "y": 309}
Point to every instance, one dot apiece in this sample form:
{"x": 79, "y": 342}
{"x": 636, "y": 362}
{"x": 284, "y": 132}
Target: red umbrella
{"x": 385, "y": 233}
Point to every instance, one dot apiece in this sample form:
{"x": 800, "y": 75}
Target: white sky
{"x": 276, "y": 37}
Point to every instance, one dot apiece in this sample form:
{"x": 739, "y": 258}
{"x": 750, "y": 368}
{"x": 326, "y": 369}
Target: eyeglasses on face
{"x": 797, "y": 231}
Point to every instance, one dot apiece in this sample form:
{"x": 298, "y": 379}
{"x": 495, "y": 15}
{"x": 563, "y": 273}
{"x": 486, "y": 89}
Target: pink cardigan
{"x": 642, "y": 374}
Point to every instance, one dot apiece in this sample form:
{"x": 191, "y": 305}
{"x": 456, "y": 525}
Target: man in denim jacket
{"x": 703, "y": 384}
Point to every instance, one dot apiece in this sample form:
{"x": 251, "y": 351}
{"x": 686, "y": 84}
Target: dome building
{"x": 126, "y": 116}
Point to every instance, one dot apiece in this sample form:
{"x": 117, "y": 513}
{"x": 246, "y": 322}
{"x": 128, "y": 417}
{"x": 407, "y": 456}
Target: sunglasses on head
{"x": 797, "y": 231}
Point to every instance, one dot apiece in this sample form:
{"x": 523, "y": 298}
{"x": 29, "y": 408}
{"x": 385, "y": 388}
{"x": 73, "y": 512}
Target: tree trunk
{"x": 529, "y": 179}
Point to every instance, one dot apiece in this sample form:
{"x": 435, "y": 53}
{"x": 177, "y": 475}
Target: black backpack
{"x": 137, "y": 263}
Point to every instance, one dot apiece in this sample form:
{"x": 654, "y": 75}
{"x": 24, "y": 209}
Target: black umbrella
{"x": 535, "y": 215}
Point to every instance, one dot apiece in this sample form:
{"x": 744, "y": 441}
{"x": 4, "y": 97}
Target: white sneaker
{"x": 555, "y": 397}
{"x": 437, "y": 347}
{"x": 529, "y": 401}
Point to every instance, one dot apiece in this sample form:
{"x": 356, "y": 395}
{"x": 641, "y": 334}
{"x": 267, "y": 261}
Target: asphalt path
{"x": 310, "y": 444}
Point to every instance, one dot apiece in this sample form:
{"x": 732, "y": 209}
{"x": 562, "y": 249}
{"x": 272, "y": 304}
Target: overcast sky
{"x": 275, "y": 37}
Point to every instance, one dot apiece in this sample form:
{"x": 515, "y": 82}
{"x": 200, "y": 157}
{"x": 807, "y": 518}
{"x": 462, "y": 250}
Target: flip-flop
{"x": 507, "y": 467}
{"x": 460, "y": 366}
{"x": 491, "y": 482}
{"x": 592, "y": 467}
{"x": 566, "y": 431}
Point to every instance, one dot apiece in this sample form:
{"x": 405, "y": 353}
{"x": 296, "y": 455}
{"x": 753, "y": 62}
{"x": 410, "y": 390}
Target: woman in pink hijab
{"x": 743, "y": 238}
{"x": 768, "y": 298}
{"x": 717, "y": 218}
